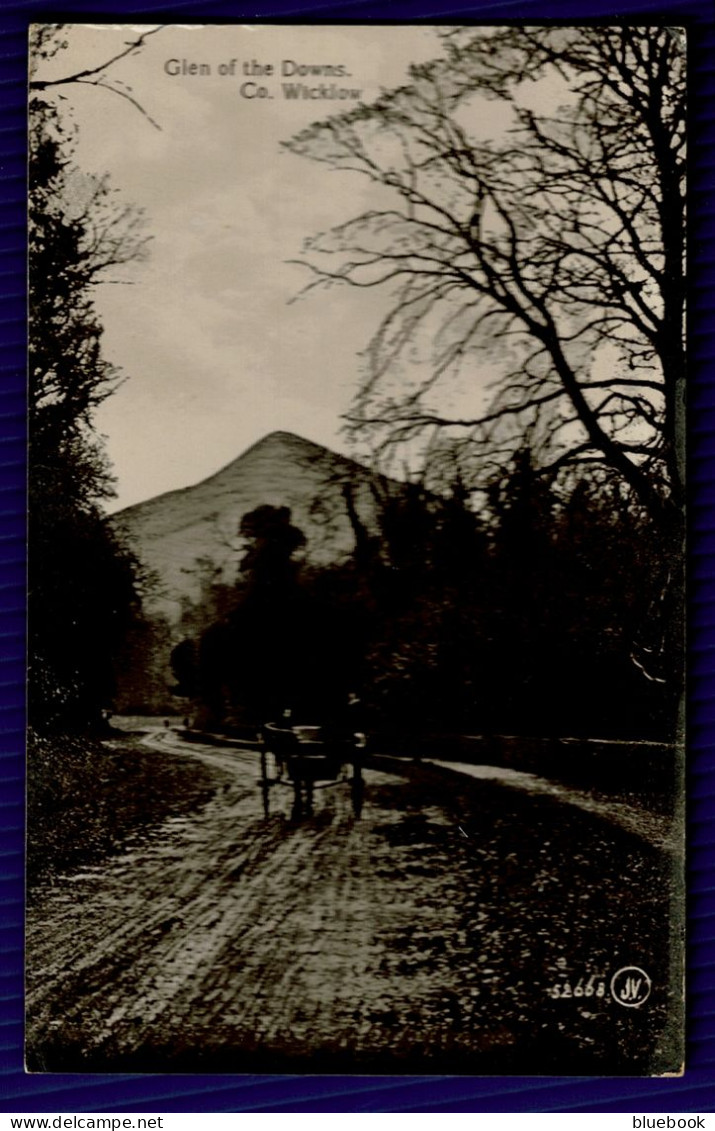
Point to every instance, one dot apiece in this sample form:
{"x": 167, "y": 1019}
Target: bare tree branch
{"x": 561, "y": 235}
{"x": 96, "y": 76}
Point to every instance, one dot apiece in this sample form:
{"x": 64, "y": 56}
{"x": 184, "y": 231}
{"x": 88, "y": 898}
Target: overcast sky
{"x": 214, "y": 353}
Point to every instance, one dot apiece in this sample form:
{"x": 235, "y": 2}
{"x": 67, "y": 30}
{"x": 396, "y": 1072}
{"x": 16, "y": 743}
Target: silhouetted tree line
{"x": 284, "y": 644}
{"x": 82, "y": 580}
{"x": 540, "y": 612}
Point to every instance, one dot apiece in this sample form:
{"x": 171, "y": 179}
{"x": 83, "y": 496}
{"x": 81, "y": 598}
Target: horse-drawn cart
{"x": 308, "y": 758}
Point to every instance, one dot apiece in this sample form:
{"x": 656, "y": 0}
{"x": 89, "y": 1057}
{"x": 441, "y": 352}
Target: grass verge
{"x": 85, "y": 797}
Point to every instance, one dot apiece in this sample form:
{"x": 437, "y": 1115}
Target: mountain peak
{"x": 171, "y": 532}
{"x": 280, "y": 438}
{"x": 189, "y": 537}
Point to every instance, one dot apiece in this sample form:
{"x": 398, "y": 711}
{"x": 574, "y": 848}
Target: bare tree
{"x": 553, "y": 248}
{"x": 46, "y": 41}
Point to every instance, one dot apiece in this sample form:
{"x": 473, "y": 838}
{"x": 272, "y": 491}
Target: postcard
{"x": 357, "y": 372}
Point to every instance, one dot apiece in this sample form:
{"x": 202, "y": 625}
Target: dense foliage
{"x": 542, "y": 614}
{"x": 82, "y": 581}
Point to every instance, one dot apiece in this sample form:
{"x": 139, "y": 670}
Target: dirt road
{"x": 439, "y": 932}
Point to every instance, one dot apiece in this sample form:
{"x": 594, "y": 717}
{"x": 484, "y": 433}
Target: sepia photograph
{"x": 356, "y": 549}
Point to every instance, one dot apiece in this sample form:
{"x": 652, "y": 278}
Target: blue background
{"x": 695, "y": 1092}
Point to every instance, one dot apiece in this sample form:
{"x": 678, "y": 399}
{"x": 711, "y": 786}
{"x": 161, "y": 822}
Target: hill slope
{"x": 182, "y": 534}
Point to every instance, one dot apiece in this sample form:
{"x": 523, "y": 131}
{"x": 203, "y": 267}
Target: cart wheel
{"x": 357, "y": 790}
{"x": 297, "y": 811}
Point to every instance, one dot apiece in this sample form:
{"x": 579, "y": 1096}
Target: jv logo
{"x": 630, "y": 986}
